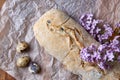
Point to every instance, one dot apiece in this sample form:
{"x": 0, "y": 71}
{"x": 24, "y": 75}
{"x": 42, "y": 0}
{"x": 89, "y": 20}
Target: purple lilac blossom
{"x": 102, "y": 54}
{"x": 104, "y": 65}
{"x": 115, "y": 44}
{"x": 108, "y": 51}
{"x": 100, "y": 33}
{"x": 86, "y": 21}
{"x": 89, "y": 54}
{"x": 108, "y": 31}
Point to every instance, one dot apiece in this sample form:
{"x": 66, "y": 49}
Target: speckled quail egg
{"x": 34, "y": 68}
{"x": 23, "y": 61}
{"x": 21, "y": 46}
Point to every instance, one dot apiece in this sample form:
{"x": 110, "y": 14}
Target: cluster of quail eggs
{"x": 25, "y": 61}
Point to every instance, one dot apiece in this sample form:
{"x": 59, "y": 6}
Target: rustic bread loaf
{"x": 63, "y": 38}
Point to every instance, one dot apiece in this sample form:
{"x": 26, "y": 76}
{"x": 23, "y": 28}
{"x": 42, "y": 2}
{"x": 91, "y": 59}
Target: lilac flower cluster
{"x": 109, "y": 50}
{"x": 103, "y": 54}
{"x": 100, "y": 33}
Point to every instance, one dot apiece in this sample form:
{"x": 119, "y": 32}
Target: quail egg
{"x": 34, "y": 68}
{"x": 23, "y": 61}
{"x": 21, "y": 46}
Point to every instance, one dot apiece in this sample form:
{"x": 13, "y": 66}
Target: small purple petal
{"x": 103, "y": 65}
{"x": 110, "y": 55}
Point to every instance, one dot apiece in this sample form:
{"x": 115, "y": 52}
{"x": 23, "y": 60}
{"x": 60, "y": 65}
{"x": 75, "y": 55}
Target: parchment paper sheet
{"x": 17, "y": 18}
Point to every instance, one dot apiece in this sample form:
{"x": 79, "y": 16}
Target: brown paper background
{"x": 17, "y": 18}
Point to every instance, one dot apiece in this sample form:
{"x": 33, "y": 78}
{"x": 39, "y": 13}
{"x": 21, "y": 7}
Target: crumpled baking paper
{"x": 17, "y": 18}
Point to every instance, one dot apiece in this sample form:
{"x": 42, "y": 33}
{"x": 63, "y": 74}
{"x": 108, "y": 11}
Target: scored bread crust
{"x": 63, "y": 38}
